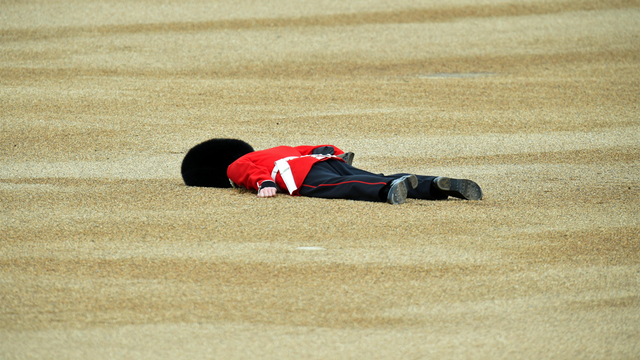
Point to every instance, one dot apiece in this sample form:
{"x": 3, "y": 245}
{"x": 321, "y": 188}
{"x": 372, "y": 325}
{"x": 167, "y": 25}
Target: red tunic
{"x": 253, "y": 168}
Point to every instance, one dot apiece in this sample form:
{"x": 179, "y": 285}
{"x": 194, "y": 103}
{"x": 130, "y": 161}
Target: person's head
{"x": 206, "y": 163}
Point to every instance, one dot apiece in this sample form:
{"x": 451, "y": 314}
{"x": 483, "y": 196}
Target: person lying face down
{"x": 322, "y": 171}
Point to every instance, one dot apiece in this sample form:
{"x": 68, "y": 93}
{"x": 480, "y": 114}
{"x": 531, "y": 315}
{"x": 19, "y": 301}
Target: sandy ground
{"x": 105, "y": 254}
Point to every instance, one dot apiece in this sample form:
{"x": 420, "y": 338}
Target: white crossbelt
{"x": 282, "y": 167}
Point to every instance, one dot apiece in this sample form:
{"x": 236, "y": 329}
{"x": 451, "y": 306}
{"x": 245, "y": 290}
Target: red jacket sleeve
{"x": 248, "y": 174}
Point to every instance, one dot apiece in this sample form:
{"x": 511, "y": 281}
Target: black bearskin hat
{"x": 206, "y": 163}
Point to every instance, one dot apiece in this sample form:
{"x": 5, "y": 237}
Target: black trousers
{"x": 334, "y": 179}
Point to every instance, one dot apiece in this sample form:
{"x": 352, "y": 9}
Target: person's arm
{"x": 246, "y": 173}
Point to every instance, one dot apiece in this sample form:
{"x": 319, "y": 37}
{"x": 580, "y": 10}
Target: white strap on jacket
{"x": 282, "y": 166}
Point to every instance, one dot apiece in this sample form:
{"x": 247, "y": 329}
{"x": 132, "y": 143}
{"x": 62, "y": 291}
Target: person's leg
{"x": 337, "y": 180}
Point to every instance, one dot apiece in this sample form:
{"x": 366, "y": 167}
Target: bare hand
{"x": 267, "y": 192}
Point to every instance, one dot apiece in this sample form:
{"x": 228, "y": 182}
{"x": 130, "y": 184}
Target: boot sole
{"x": 399, "y": 189}
{"x": 459, "y": 188}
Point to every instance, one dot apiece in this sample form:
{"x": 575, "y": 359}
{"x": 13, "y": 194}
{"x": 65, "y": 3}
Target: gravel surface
{"x": 106, "y": 254}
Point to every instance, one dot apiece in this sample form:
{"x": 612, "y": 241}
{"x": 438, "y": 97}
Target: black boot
{"x": 398, "y": 189}
{"x": 460, "y": 188}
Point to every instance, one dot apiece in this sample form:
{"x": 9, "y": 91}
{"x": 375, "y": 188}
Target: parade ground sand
{"x": 106, "y": 254}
